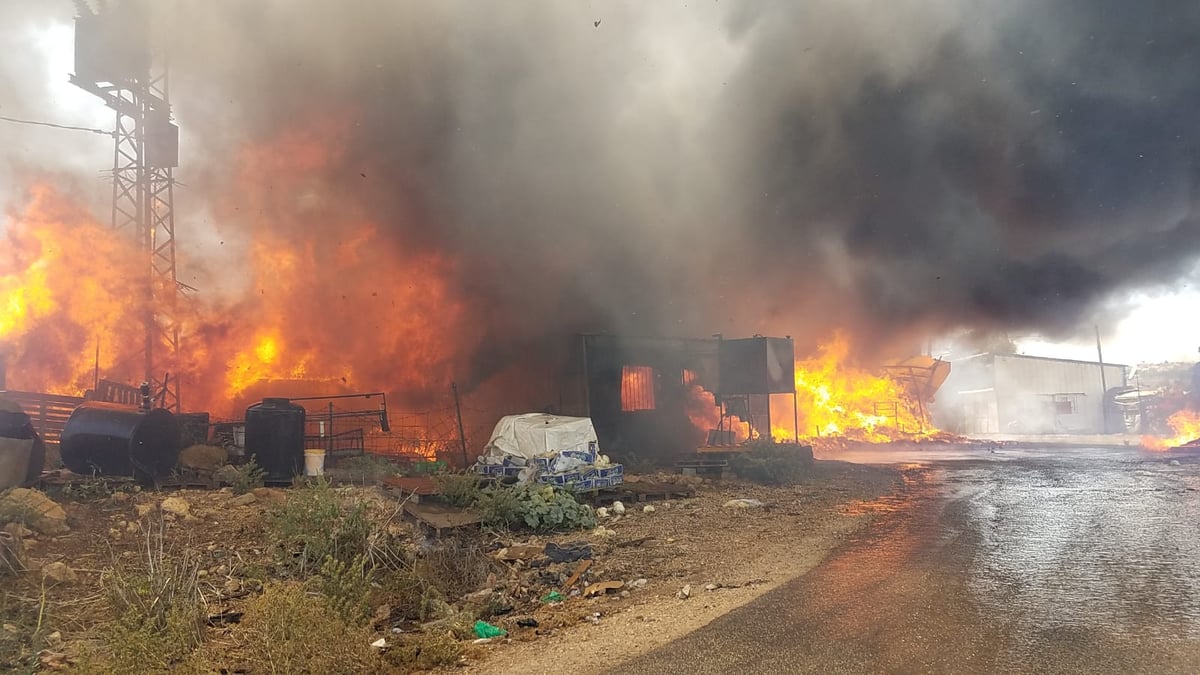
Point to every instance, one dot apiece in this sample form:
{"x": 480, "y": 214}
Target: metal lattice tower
{"x": 113, "y": 61}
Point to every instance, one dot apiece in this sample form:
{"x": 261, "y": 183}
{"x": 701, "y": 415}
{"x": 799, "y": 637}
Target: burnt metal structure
{"x": 751, "y": 371}
{"x": 114, "y": 61}
{"x": 116, "y": 440}
{"x": 741, "y": 374}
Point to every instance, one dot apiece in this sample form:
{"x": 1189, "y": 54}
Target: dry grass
{"x": 286, "y": 631}
{"x": 158, "y": 610}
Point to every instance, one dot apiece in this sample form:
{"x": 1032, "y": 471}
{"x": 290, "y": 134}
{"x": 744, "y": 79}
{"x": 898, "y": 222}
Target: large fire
{"x": 836, "y": 398}
{"x": 1185, "y": 425}
{"x": 312, "y": 288}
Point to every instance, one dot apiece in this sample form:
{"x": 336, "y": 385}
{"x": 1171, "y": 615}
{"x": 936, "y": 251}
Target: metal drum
{"x": 114, "y": 440}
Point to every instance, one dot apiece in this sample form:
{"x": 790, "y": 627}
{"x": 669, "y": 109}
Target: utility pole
{"x": 114, "y": 61}
{"x": 1103, "y": 382}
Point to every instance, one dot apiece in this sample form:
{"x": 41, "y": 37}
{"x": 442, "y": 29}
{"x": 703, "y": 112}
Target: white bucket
{"x": 314, "y": 462}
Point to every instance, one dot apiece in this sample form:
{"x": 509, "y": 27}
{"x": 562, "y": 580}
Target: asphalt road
{"x": 1058, "y": 561}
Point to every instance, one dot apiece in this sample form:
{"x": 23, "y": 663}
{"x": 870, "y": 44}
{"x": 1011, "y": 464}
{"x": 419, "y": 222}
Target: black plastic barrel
{"x": 275, "y": 438}
{"x": 115, "y": 440}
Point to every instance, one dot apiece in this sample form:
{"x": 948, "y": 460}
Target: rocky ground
{"x": 644, "y": 577}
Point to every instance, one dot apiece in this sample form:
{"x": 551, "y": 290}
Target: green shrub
{"x": 366, "y": 468}
{"x": 346, "y": 587}
{"x": 249, "y": 476}
{"x": 317, "y": 522}
{"x": 771, "y": 463}
{"x": 458, "y": 489}
{"x": 542, "y": 508}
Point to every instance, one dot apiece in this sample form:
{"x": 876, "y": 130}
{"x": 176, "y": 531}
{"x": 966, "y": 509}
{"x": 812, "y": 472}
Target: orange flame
{"x": 65, "y": 292}
{"x": 1186, "y": 426}
{"x": 835, "y": 398}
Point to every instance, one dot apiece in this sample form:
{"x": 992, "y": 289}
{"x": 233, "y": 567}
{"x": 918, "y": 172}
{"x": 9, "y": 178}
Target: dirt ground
{"x": 725, "y": 556}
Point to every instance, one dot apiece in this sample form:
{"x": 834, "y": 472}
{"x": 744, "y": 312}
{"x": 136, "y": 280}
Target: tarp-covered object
{"x": 540, "y": 435}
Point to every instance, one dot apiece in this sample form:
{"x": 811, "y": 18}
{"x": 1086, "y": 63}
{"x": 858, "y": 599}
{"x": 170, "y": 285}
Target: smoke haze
{"x": 687, "y": 168}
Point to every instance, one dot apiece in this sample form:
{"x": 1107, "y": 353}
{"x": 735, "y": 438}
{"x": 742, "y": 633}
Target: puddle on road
{"x": 1108, "y": 545}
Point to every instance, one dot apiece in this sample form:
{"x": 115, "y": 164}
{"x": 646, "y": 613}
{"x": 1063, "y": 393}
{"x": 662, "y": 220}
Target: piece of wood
{"x": 579, "y": 570}
{"x": 602, "y": 587}
{"x": 440, "y": 516}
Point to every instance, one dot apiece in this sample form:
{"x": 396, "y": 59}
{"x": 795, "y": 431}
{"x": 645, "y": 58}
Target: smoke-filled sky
{"x": 898, "y": 168}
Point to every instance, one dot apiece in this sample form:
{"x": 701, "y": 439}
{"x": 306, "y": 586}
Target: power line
{"x": 56, "y": 126}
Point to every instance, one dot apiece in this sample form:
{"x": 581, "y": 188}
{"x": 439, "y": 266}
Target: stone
{"x": 177, "y": 506}
{"x": 227, "y": 475}
{"x": 36, "y": 510}
{"x": 711, "y": 587}
{"x": 602, "y": 512}
{"x": 60, "y": 573}
{"x": 143, "y": 509}
{"x": 685, "y": 592}
{"x": 618, "y": 508}
{"x": 638, "y": 583}
{"x": 647, "y": 509}
{"x": 743, "y": 504}
{"x": 54, "y": 639}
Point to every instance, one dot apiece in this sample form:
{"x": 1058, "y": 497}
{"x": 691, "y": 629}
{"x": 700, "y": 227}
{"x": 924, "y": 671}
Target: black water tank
{"x": 275, "y": 437}
{"x": 115, "y": 440}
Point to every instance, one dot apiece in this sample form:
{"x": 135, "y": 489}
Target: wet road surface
{"x": 1025, "y": 561}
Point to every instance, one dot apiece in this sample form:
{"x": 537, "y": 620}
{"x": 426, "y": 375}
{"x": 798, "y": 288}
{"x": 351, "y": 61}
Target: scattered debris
{"x": 579, "y": 570}
{"x": 569, "y": 552}
{"x": 603, "y": 532}
{"x": 633, "y": 542}
{"x": 602, "y": 587}
{"x": 485, "y": 630}
{"x": 520, "y": 552}
{"x": 552, "y": 597}
{"x": 528, "y": 623}
{"x": 744, "y": 504}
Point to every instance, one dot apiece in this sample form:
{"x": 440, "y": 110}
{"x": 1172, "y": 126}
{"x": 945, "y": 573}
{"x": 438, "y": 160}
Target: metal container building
{"x": 1018, "y": 394}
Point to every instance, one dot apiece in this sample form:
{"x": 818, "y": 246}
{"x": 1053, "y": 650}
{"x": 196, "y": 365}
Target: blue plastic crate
{"x": 568, "y": 478}
{"x": 490, "y": 469}
{"x": 587, "y": 456}
{"x": 610, "y": 471}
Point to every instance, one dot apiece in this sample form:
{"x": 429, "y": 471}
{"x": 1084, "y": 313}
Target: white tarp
{"x": 540, "y": 435}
